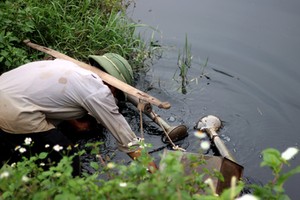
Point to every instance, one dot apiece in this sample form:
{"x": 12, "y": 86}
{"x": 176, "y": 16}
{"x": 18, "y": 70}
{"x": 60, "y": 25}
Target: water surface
{"x": 253, "y": 51}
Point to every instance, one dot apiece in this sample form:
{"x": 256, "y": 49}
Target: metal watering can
{"x": 225, "y": 163}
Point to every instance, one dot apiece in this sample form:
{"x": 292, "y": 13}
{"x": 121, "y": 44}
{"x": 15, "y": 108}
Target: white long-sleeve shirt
{"x": 34, "y": 96}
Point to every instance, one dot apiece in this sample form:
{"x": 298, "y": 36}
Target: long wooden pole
{"x": 104, "y": 76}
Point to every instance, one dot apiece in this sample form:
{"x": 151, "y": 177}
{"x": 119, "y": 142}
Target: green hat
{"x": 115, "y": 65}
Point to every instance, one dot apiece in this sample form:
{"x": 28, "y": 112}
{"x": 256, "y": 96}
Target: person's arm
{"x": 134, "y": 155}
{"x": 102, "y": 106}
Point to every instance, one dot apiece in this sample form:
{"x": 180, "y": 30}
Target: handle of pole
{"x": 220, "y": 145}
{"x": 104, "y": 76}
{"x": 148, "y": 112}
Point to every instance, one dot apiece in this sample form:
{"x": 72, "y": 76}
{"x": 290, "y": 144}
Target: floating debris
{"x": 171, "y": 119}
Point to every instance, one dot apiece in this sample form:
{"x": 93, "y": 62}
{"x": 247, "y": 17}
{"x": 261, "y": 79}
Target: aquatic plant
{"x": 203, "y": 74}
{"x": 184, "y": 62}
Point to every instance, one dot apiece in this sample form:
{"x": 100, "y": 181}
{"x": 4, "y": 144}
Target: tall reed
{"x": 184, "y": 62}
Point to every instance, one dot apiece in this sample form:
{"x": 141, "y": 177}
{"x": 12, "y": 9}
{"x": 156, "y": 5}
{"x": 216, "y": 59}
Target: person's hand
{"x": 80, "y": 125}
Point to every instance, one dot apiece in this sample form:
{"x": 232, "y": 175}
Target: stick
{"x": 104, "y": 76}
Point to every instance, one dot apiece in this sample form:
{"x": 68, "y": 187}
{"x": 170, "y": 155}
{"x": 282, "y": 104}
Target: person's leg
{"x": 8, "y": 152}
{"x": 56, "y": 137}
{"x": 52, "y": 137}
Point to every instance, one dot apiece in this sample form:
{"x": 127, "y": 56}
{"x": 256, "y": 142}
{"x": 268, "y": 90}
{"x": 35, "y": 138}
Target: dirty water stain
{"x": 62, "y": 80}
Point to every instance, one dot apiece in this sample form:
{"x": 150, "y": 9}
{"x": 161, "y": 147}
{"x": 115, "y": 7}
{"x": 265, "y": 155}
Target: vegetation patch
{"x": 29, "y": 179}
{"x": 77, "y": 28}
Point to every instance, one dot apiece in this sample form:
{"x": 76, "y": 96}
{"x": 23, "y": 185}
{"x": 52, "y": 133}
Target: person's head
{"x": 115, "y": 65}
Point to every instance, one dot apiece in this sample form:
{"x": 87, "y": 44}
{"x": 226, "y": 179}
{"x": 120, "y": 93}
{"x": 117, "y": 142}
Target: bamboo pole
{"x": 103, "y": 75}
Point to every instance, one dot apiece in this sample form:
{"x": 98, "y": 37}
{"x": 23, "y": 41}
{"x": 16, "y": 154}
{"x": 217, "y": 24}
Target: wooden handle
{"x": 220, "y": 145}
{"x": 104, "y": 76}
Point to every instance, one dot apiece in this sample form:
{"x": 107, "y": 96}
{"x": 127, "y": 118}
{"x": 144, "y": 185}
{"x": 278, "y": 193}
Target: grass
{"x": 184, "y": 63}
{"x": 77, "y": 28}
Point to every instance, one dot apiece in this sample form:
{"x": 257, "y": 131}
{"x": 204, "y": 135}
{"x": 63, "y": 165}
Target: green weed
{"x": 27, "y": 179}
{"x": 77, "y": 28}
{"x": 184, "y": 62}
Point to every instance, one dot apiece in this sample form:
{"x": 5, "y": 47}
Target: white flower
{"x": 135, "y": 142}
{"x": 25, "y": 178}
{"x": 57, "y": 174}
{"x": 13, "y": 165}
{"x": 22, "y": 150}
{"x": 47, "y": 146}
{"x": 130, "y": 144}
{"x": 42, "y": 164}
{"x": 247, "y": 197}
{"x": 142, "y": 146}
{"x": 123, "y": 184}
{"x": 210, "y": 183}
{"x": 111, "y": 165}
{"x": 289, "y": 153}
{"x": 28, "y": 141}
{"x": 17, "y": 147}
{"x": 200, "y": 134}
{"x": 57, "y": 148}
{"x": 4, "y": 174}
{"x": 205, "y": 145}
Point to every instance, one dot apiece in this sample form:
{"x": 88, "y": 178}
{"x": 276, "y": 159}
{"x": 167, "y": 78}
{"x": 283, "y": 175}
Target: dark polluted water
{"x": 251, "y": 81}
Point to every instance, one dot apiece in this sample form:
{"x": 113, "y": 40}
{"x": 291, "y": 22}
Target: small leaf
{"x": 40, "y": 195}
{"x": 43, "y": 155}
{"x": 271, "y": 158}
{"x": 65, "y": 196}
{"x": 287, "y": 175}
{"x": 94, "y": 165}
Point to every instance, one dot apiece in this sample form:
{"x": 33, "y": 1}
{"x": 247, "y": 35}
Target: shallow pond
{"x": 251, "y": 81}
{"x": 253, "y": 51}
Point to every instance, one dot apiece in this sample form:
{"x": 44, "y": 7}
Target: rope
{"x": 174, "y": 147}
{"x": 141, "y": 123}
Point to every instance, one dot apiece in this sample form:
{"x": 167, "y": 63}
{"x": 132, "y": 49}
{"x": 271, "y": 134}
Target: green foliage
{"x": 74, "y": 27}
{"x": 272, "y": 159}
{"x": 275, "y": 160}
{"x": 28, "y": 180}
{"x": 10, "y": 55}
